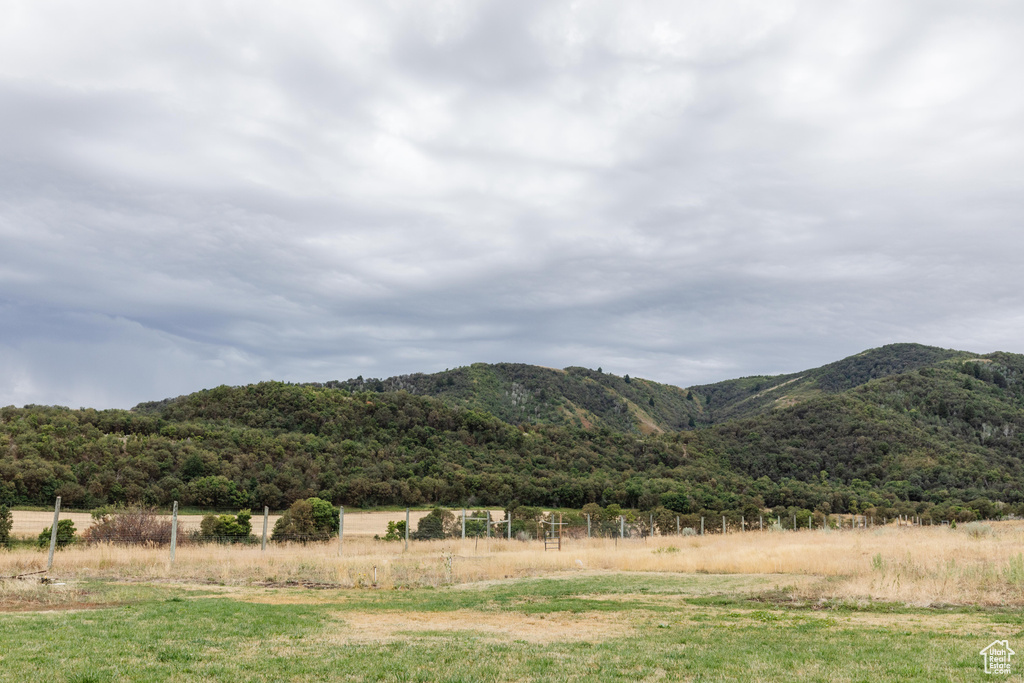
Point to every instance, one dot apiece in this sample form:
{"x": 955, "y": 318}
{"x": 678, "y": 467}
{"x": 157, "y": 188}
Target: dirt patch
{"x": 368, "y": 627}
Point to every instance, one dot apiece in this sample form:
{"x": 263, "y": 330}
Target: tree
{"x": 438, "y": 524}
{"x": 310, "y": 519}
{"x": 65, "y": 534}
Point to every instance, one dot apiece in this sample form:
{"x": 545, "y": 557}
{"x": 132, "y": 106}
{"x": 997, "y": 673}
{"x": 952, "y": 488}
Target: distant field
{"x": 884, "y": 604}
{"x": 356, "y": 523}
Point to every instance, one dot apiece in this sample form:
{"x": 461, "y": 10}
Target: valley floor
{"x": 878, "y": 605}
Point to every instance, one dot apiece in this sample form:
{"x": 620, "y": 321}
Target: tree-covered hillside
{"x": 749, "y": 396}
{"x": 944, "y": 439}
{"x": 529, "y": 394}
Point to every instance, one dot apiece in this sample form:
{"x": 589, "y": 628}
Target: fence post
{"x": 53, "y": 533}
{"x": 266, "y": 520}
{"x": 760, "y": 522}
{"x": 794, "y": 521}
{"x": 677, "y": 525}
{"x": 810, "y": 519}
{"x": 701, "y": 526}
{"x": 341, "y": 527}
{"x": 406, "y": 528}
{"x": 743, "y": 523}
{"x": 588, "y": 526}
{"x": 622, "y": 526}
{"x": 463, "y": 524}
{"x": 174, "y": 529}
{"x": 488, "y": 524}
{"x": 509, "y": 520}
{"x": 723, "y": 525}
{"x": 652, "y": 525}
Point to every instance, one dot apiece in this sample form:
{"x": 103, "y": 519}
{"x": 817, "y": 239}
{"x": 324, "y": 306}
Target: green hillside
{"x": 529, "y": 394}
{"x": 749, "y": 396}
{"x": 901, "y": 429}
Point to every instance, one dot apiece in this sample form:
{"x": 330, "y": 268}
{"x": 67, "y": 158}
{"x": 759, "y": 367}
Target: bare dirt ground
{"x": 356, "y": 523}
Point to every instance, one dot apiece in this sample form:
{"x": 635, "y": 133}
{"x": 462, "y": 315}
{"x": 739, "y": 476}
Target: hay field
{"x": 980, "y": 564}
{"x": 30, "y": 523}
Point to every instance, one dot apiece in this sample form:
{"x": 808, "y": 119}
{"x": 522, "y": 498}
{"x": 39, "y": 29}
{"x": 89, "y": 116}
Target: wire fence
{"x": 139, "y": 527}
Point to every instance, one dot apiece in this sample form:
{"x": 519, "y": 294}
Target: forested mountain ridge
{"x": 755, "y": 395}
{"x": 580, "y": 397}
{"x": 944, "y": 439}
{"x": 530, "y": 394}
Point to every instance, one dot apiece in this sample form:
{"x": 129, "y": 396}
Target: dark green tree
{"x": 6, "y": 522}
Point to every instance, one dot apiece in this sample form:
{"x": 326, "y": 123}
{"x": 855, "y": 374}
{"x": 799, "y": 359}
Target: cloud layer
{"x": 203, "y": 193}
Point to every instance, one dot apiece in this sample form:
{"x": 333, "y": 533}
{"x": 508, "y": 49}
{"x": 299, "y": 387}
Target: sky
{"x": 204, "y": 193}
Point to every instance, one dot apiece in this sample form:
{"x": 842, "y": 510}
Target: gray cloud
{"x": 198, "y": 194}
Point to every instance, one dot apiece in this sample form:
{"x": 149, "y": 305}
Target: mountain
{"x": 749, "y": 396}
{"x": 530, "y": 394}
{"x": 589, "y": 399}
{"x": 903, "y": 429}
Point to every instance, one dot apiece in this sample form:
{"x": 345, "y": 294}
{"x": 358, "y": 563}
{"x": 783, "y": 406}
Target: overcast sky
{"x": 204, "y": 193}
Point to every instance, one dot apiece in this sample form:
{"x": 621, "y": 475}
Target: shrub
{"x": 977, "y": 529}
{"x": 396, "y": 531}
{"x": 312, "y": 519}
{"x": 438, "y": 524}
{"x": 128, "y": 526}
{"x": 227, "y": 528}
{"x": 65, "y": 534}
{"x": 6, "y": 522}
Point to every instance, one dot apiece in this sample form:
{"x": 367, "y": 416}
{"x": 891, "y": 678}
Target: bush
{"x": 438, "y": 524}
{"x": 128, "y": 526}
{"x": 65, "y": 534}
{"x": 977, "y": 529}
{"x": 312, "y": 519}
{"x": 6, "y": 522}
{"x": 396, "y": 532}
{"x": 227, "y": 528}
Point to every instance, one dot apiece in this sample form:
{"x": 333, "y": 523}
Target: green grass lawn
{"x": 612, "y": 627}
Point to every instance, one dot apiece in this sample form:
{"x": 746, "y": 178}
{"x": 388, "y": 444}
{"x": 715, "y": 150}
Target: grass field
{"x": 876, "y": 605}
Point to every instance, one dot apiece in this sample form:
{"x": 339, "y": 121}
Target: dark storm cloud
{"x": 207, "y": 193}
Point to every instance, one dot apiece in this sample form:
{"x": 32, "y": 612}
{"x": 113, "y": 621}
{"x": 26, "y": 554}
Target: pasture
{"x": 876, "y": 604}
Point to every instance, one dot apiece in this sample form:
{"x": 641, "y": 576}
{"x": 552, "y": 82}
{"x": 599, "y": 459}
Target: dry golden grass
{"x": 29, "y": 523}
{"x": 920, "y": 566}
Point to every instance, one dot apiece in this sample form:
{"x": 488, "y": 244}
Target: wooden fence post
{"x": 406, "y": 528}
{"x": 266, "y": 520}
{"x": 53, "y": 533}
{"x": 341, "y": 528}
{"x": 174, "y": 530}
